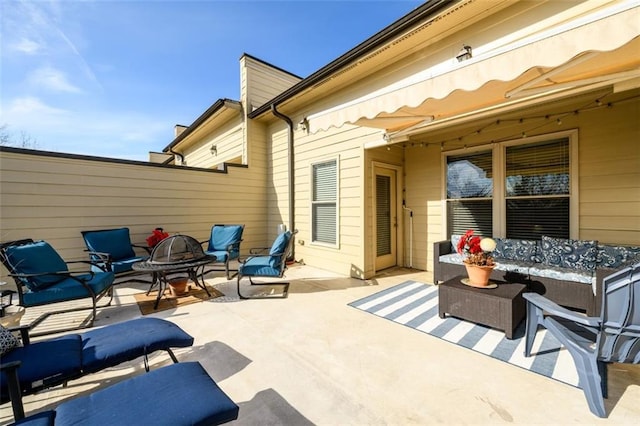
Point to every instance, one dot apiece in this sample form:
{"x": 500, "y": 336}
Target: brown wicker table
{"x": 502, "y": 307}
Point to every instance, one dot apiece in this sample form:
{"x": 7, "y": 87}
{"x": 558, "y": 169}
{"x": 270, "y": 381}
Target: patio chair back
{"x": 268, "y": 264}
{"x": 224, "y": 244}
{"x": 42, "y": 277}
{"x": 114, "y": 246}
{"x": 594, "y": 342}
{"x": 619, "y": 337}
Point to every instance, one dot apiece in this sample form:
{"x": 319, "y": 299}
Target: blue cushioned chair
{"x": 114, "y": 246}
{"x": 42, "y": 277}
{"x": 268, "y": 262}
{"x": 175, "y": 395}
{"x": 224, "y": 244}
{"x": 46, "y": 363}
{"x": 594, "y": 342}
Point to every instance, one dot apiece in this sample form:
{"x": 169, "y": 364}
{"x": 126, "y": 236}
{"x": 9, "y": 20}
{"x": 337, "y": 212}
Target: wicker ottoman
{"x": 502, "y": 307}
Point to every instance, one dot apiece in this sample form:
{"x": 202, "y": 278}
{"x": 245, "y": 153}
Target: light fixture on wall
{"x": 214, "y": 150}
{"x": 464, "y": 53}
{"x": 303, "y": 124}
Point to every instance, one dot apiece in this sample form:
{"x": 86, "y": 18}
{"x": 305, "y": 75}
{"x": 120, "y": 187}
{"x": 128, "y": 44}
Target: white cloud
{"x": 53, "y": 80}
{"x": 30, "y": 105}
{"x": 27, "y": 46}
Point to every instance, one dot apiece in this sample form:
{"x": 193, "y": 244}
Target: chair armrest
{"x": 441, "y": 247}
{"x": 258, "y": 250}
{"x": 143, "y": 247}
{"x": 24, "y": 333}
{"x": 552, "y": 308}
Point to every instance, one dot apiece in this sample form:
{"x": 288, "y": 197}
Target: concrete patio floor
{"x": 311, "y": 359}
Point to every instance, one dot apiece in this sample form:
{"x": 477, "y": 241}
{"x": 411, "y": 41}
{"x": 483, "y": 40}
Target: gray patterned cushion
{"x": 513, "y": 249}
{"x": 455, "y": 239}
{"x": 567, "y": 253}
{"x": 7, "y": 341}
{"x": 562, "y": 274}
{"x": 616, "y": 256}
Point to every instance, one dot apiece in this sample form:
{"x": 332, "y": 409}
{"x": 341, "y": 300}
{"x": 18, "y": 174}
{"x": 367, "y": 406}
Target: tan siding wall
{"x": 228, "y": 141}
{"x": 263, "y": 82}
{"x": 55, "y": 198}
{"x": 346, "y": 144}
{"x": 609, "y": 177}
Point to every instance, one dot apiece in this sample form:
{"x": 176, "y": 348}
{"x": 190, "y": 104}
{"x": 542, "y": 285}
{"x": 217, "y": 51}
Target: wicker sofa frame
{"x": 567, "y": 293}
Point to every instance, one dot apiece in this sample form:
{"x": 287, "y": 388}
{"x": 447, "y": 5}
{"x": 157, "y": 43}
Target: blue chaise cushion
{"x": 114, "y": 344}
{"x": 116, "y": 242}
{"x": 37, "y": 258}
{"x": 45, "y": 361}
{"x": 179, "y": 394}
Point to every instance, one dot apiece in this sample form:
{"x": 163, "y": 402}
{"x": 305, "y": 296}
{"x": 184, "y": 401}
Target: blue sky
{"x": 112, "y": 78}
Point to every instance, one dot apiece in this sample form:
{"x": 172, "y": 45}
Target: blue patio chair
{"x": 114, "y": 246}
{"x": 594, "y": 342}
{"x": 42, "y": 277}
{"x": 224, "y": 244}
{"x": 267, "y": 262}
{"x": 47, "y": 363}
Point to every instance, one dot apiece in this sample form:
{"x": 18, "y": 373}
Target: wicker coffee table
{"x": 502, "y": 307}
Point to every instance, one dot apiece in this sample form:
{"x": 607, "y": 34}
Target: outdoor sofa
{"x": 568, "y": 272}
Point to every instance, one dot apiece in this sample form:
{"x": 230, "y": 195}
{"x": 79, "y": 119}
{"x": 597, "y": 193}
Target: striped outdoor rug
{"x": 415, "y": 305}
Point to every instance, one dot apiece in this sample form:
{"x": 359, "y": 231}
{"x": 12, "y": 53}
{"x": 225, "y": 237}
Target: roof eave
{"x": 427, "y": 10}
{"x": 212, "y": 110}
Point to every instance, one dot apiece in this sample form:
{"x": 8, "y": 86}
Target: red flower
{"x": 469, "y": 246}
{"x": 156, "y": 236}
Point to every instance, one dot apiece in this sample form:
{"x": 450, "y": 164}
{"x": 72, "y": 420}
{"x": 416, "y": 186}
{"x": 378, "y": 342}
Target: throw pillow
{"x": 567, "y": 253}
{"x": 617, "y": 256}
{"x": 515, "y": 249}
{"x": 7, "y": 341}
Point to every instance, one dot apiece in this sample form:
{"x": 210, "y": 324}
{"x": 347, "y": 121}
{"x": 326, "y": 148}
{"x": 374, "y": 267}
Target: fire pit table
{"x": 174, "y": 255}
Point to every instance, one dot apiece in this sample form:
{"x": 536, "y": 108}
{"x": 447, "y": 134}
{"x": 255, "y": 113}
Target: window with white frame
{"x": 324, "y": 202}
{"x": 528, "y": 184}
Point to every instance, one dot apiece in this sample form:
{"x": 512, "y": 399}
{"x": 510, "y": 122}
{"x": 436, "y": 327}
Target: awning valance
{"x": 601, "y": 45}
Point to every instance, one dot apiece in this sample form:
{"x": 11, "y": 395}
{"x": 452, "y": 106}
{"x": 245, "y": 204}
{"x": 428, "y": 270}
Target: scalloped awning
{"x": 600, "y": 47}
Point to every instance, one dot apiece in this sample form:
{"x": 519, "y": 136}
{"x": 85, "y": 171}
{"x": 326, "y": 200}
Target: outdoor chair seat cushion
{"x": 179, "y": 394}
{"x": 259, "y": 266}
{"x": 126, "y": 265}
{"x": 225, "y": 242}
{"x": 114, "y": 344}
{"x": 69, "y": 289}
{"x": 45, "y": 362}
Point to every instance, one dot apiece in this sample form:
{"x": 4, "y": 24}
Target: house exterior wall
{"x": 228, "y": 140}
{"x": 609, "y": 178}
{"x": 262, "y": 82}
{"x": 352, "y": 256}
{"x": 55, "y": 198}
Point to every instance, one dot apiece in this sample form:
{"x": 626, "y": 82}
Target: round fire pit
{"x": 177, "y": 254}
{"x": 177, "y": 249}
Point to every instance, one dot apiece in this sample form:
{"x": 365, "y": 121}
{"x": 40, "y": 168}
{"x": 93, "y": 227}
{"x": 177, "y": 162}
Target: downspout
{"x": 178, "y": 154}
{"x": 290, "y": 173}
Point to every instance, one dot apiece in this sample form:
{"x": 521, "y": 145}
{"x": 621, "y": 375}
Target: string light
{"x": 547, "y": 119}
